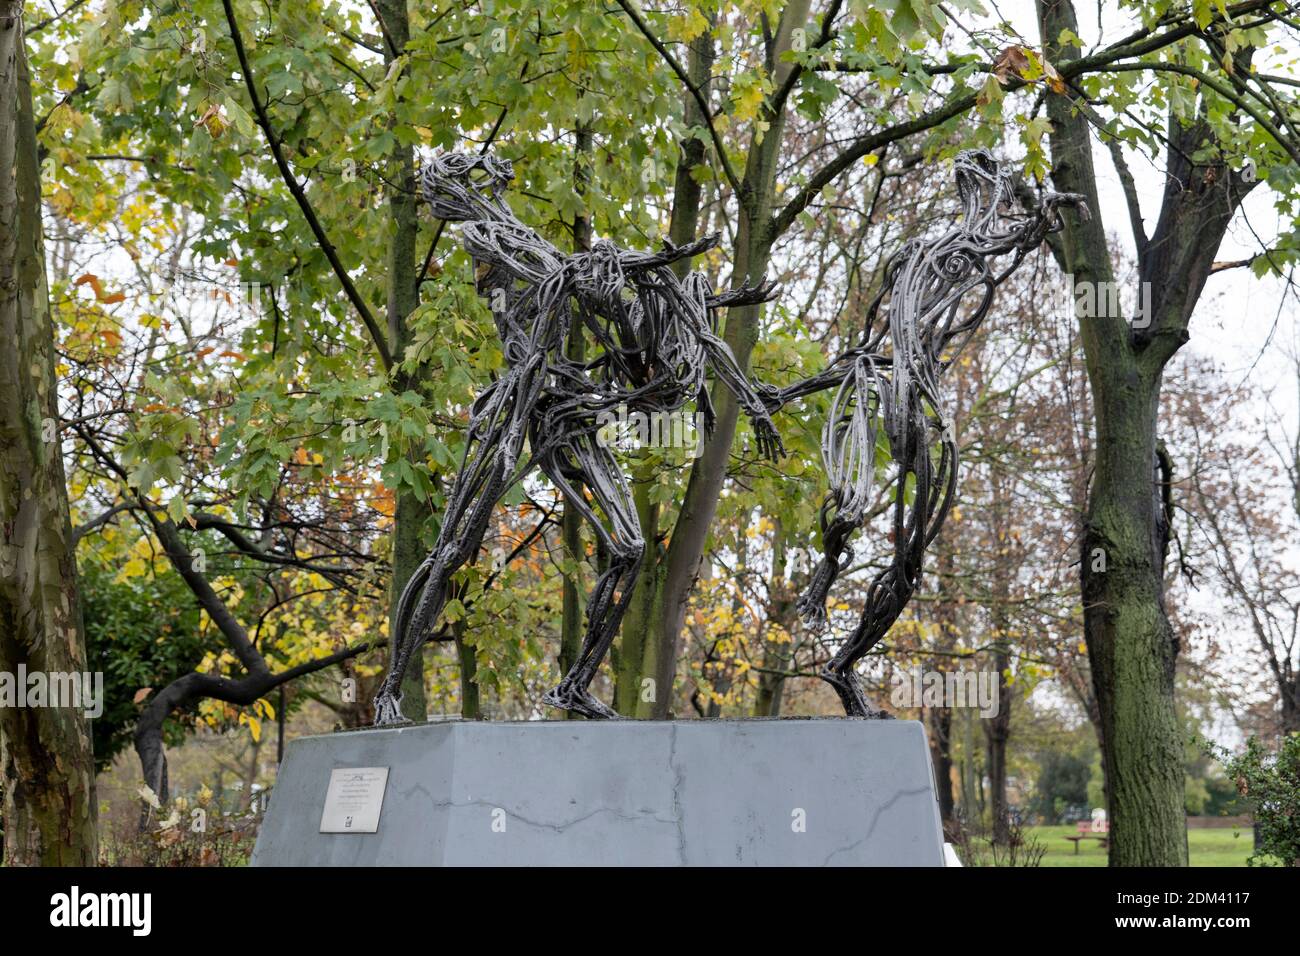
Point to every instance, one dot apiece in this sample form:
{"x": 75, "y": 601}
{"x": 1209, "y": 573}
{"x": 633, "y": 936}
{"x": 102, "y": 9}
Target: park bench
{"x": 1086, "y": 831}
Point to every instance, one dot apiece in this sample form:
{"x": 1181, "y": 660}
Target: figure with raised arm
{"x": 935, "y": 294}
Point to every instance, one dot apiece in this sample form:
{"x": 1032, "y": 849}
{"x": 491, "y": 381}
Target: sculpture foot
{"x": 388, "y": 710}
{"x": 577, "y": 701}
{"x": 813, "y": 613}
{"x": 811, "y": 606}
{"x": 851, "y": 696}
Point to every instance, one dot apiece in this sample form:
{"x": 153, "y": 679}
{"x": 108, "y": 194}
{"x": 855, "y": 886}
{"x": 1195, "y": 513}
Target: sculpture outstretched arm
{"x": 832, "y": 376}
{"x": 987, "y": 192}
{"x": 633, "y": 260}
{"x": 691, "y": 301}
{"x": 761, "y": 291}
{"x": 752, "y": 396}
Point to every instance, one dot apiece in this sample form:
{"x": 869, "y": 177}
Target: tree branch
{"x": 98, "y": 522}
{"x": 183, "y": 561}
{"x": 1116, "y": 150}
{"x": 827, "y": 33}
{"x": 304, "y": 204}
{"x": 703, "y": 104}
{"x": 1136, "y": 44}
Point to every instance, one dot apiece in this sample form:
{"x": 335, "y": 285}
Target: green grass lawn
{"x": 1226, "y": 847}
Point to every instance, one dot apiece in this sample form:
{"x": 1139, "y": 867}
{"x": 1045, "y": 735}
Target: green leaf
{"x": 239, "y": 118}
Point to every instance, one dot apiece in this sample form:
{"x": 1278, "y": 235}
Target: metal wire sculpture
{"x": 935, "y": 295}
{"x": 657, "y": 337}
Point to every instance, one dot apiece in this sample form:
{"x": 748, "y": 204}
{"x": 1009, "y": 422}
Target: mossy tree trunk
{"x": 1132, "y": 648}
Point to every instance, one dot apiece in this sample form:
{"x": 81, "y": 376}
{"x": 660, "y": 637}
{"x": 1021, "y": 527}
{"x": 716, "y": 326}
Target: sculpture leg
{"x": 623, "y": 542}
{"x": 849, "y": 455}
{"x": 914, "y": 527}
{"x": 486, "y": 473}
{"x": 835, "y": 542}
{"x": 886, "y": 599}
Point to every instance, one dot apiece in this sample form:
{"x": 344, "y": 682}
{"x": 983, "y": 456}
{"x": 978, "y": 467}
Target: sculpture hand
{"x": 1052, "y": 201}
{"x": 768, "y": 438}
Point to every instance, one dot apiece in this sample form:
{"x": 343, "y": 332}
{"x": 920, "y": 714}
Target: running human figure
{"x": 655, "y": 340}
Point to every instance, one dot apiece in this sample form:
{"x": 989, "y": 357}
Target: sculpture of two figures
{"x": 656, "y": 341}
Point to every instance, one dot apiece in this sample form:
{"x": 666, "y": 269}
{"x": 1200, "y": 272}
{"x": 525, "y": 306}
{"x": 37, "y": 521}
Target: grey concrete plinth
{"x": 687, "y": 792}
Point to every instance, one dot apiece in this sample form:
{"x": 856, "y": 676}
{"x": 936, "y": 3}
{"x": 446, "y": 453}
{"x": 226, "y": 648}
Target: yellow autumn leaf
{"x": 133, "y": 568}
{"x": 686, "y": 28}
{"x": 747, "y": 97}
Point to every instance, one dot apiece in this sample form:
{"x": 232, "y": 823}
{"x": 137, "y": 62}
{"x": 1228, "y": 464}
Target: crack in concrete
{"x": 679, "y": 811}
{"x": 545, "y": 824}
{"x": 875, "y": 818}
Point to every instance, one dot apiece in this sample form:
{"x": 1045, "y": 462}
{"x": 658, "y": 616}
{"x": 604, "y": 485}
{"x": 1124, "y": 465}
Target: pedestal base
{"x": 575, "y": 793}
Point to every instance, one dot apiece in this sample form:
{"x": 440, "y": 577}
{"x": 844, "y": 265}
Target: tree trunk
{"x": 968, "y": 771}
{"x": 753, "y": 246}
{"x": 637, "y": 652}
{"x": 1290, "y": 716}
{"x": 997, "y": 730}
{"x": 571, "y": 618}
{"x": 640, "y": 612}
{"x": 939, "y": 720}
{"x": 946, "y": 613}
{"x": 470, "y": 706}
{"x": 1132, "y": 648}
{"x": 776, "y": 653}
{"x": 410, "y": 513}
{"x": 691, "y": 530}
{"x": 46, "y": 763}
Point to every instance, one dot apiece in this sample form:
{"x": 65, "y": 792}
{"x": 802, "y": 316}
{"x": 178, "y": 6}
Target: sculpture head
{"x": 985, "y": 189}
{"x": 458, "y": 186}
{"x": 599, "y": 275}
{"x": 988, "y": 195}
